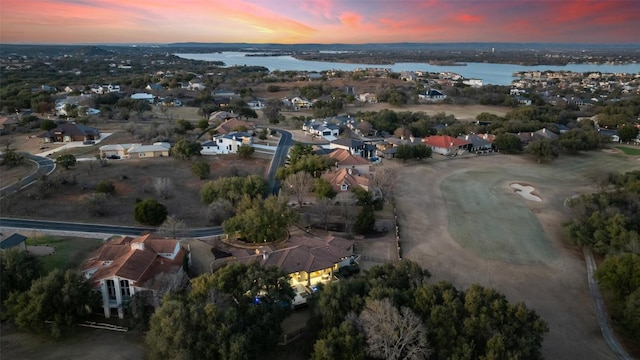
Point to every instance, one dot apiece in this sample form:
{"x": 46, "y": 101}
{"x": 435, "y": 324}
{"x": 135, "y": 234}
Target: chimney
{"x": 265, "y": 255}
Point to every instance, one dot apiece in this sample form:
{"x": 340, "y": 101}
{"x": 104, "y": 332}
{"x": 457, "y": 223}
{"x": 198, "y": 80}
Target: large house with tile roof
{"x": 123, "y": 267}
{"x": 445, "y": 144}
{"x": 344, "y": 180}
{"x": 68, "y": 132}
{"x": 309, "y": 261}
{"x": 235, "y": 124}
{"x": 344, "y": 160}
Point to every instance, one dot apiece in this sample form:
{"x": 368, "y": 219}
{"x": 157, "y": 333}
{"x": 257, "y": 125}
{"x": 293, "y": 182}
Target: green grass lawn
{"x": 69, "y": 253}
{"x": 629, "y": 150}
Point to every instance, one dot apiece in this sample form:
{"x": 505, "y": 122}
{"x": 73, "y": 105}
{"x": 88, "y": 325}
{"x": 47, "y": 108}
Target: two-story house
{"x": 226, "y": 143}
{"x": 123, "y": 267}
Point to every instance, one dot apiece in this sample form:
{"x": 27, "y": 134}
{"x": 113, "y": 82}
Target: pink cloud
{"x": 350, "y": 19}
{"x": 468, "y": 18}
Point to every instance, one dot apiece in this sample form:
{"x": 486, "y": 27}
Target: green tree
{"x": 627, "y": 132}
{"x": 150, "y": 212}
{"x": 365, "y": 222}
{"x": 18, "y": 269}
{"x": 47, "y": 125}
{"x": 508, "y": 143}
{"x": 183, "y": 126}
{"x": 404, "y": 152}
{"x": 260, "y": 220}
{"x": 61, "y": 298}
{"x": 234, "y": 313}
{"x": 106, "y": 187}
{"x": 66, "y": 161}
{"x": 233, "y": 188}
{"x": 421, "y": 151}
{"x": 201, "y": 169}
{"x": 186, "y": 149}
{"x": 203, "y": 124}
{"x": 543, "y": 150}
{"x": 323, "y": 189}
{"x": 345, "y": 342}
{"x": 245, "y": 151}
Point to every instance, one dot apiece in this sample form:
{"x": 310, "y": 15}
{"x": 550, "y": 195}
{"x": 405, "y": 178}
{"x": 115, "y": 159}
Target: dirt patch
{"x": 442, "y": 228}
{"x": 41, "y": 250}
{"x": 63, "y": 198}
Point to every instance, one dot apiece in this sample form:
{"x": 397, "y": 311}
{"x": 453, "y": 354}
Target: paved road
{"x": 44, "y": 166}
{"x": 97, "y": 228}
{"x": 279, "y": 158}
{"x": 601, "y": 310}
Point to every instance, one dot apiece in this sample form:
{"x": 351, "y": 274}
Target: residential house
{"x": 235, "y": 124}
{"x": 14, "y": 240}
{"x": 121, "y": 268}
{"x": 308, "y": 261}
{"x": 445, "y": 145}
{"x": 226, "y": 143}
{"x": 223, "y": 93}
{"x": 159, "y": 149}
{"x": 144, "y": 96}
{"x": 432, "y": 95}
{"x": 67, "y": 132}
{"x": 8, "y": 123}
{"x": 389, "y": 147}
{"x": 329, "y": 132}
{"x": 218, "y": 116}
{"x": 46, "y": 88}
{"x": 105, "y": 89}
{"x": 344, "y": 180}
{"x": 354, "y": 146}
{"x": 256, "y": 104}
{"x": 473, "y": 82}
{"x": 344, "y": 160}
{"x": 196, "y": 85}
{"x": 154, "y": 87}
{"x": 477, "y": 143}
{"x": 362, "y": 128}
{"x": 120, "y": 151}
{"x": 546, "y": 134}
{"x": 368, "y": 98}
{"x": 297, "y": 103}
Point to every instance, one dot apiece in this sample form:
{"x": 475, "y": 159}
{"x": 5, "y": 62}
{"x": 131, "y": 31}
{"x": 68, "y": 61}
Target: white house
{"x": 121, "y": 268}
{"x": 368, "y": 98}
{"x": 226, "y": 143}
{"x": 144, "y": 96}
{"x": 432, "y": 95}
{"x": 329, "y": 132}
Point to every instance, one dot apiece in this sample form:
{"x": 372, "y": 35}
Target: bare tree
{"x": 96, "y": 204}
{"x": 393, "y": 334}
{"x": 163, "y": 187}
{"x": 322, "y": 209}
{"x": 298, "y": 185}
{"x": 172, "y": 227}
{"x": 348, "y": 211}
{"x": 385, "y": 180}
{"x": 220, "y": 210}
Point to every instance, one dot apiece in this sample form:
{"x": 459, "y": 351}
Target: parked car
{"x": 88, "y": 142}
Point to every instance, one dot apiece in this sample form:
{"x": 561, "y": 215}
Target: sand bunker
{"x": 525, "y": 191}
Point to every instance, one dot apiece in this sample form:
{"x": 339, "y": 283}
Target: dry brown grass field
{"x": 133, "y": 180}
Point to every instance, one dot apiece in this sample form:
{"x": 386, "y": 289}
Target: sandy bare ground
{"x": 466, "y": 225}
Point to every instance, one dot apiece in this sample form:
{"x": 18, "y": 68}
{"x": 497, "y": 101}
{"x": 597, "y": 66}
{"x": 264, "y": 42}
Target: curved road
{"x": 44, "y": 166}
{"x": 279, "y": 158}
{"x": 601, "y": 310}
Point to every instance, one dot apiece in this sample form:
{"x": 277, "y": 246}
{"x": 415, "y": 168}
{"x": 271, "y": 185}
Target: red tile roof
{"x": 349, "y": 177}
{"x": 344, "y": 158}
{"x": 444, "y": 141}
{"x": 135, "y": 259}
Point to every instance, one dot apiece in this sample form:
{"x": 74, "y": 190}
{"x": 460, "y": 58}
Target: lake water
{"x": 496, "y": 74}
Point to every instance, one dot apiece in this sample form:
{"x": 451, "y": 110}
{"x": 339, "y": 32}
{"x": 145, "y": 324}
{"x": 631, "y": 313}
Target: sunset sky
{"x": 319, "y": 21}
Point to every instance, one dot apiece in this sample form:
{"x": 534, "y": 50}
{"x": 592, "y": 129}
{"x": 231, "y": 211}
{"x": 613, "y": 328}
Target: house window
{"x": 124, "y": 288}
{"x": 111, "y": 289}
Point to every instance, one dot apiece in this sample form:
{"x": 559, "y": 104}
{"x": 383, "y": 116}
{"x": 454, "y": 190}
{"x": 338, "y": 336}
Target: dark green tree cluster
{"x": 66, "y": 161}
{"x": 302, "y": 158}
{"x": 201, "y": 169}
{"x": 18, "y": 269}
{"x": 53, "y": 303}
{"x": 419, "y": 151}
{"x": 478, "y": 323}
{"x": 234, "y": 188}
{"x": 234, "y": 313}
{"x": 11, "y": 158}
{"x": 581, "y": 139}
{"x": 323, "y": 109}
{"x": 150, "y": 212}
{"x": 609, "y": 223}
{"x": 185, "y": 148}
{"x": 393, "y": 96}
{"x": 543, "y": 150}
{"x": 365, "y": 221}
{"x": 260, "y": 220}
{"x": 619, "y": 275}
